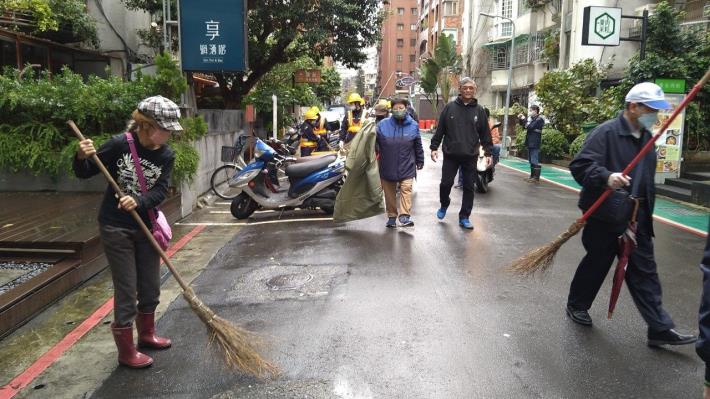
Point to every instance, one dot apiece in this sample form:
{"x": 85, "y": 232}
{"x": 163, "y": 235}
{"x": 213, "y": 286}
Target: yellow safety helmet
{"x": 355, "y": 98}
{"x": 311, "y": 114}
{"x": 386, "y": 103}
{"x": 315, "y": 109}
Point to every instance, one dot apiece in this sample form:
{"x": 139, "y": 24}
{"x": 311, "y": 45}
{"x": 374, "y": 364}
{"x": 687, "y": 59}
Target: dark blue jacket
{"x": 609, "y": 149}
{"x": 533, "y": 137}
{"x": 400, "y": 148}
{"x": 703, "y": 344}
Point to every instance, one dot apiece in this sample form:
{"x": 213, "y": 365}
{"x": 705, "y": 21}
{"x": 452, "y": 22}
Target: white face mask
{"x": 648, "y": 120}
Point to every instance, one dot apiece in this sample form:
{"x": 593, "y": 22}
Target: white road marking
{"x": 252, "y": 223}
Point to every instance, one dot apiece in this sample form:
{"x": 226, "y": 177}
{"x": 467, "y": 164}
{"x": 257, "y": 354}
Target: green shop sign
{"x": 672, "y": 85}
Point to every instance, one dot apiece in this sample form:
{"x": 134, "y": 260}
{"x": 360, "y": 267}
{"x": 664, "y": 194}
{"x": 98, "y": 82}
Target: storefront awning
{"x": 522, "y": 38}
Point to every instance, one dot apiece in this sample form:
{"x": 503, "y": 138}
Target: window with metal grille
{"x": 400, "y": 11}
{"x": 506, "y": 8}
{"x": 413, "y": 27}
{"x": 412, "y": 58}
{"x": 412, "y": 42}
{"x": 399, "y": 57}
{"x": 451, "y": 8}
{"x": 506, "y": 29}
{"x": 400, "y": 42}
{"x": 521, "y": 53}
{"x": 499, "y": 57}
{"x": 415, "y": 11}
{"x": 400, "y": 26}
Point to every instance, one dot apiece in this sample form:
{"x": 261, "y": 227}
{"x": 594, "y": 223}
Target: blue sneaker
{"x": 406, "y": 221}
{"x": 441, "y": 213}
{"x": 465, "y": 223}
{"x": 391, "y": 222}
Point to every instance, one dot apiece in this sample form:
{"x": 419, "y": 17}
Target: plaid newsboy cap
{"x": 164, "y": 111}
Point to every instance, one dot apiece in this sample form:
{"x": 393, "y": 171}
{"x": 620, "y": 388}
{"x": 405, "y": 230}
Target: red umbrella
{"x": 627, "y": 244}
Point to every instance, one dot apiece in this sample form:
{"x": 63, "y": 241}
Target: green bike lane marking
{"x": 693, "y": 219}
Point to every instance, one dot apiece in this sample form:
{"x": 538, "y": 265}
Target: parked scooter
{"x": 311, "y": 184}
{"x": 484, "y": 173}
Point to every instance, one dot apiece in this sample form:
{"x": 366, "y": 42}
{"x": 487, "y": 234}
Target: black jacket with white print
{"x": 116, "y": 156}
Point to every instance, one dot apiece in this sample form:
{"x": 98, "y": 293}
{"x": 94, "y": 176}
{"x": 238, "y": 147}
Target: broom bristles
{"x": 237, "y": 345}
{"x": 540, "y": 259}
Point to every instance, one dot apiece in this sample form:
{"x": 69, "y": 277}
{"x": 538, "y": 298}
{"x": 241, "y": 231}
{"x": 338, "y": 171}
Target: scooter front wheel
{"x": 482, "y": 182}
{"x": 243, "y": 206}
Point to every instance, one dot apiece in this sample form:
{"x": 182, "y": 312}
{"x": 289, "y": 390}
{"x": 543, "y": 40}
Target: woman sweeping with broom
{"x": 134, "y": 263}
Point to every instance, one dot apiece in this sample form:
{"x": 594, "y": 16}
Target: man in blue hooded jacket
{"x": 401, "y": 153}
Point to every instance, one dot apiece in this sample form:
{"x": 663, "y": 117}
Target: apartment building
{"x": 397, "y": 53}
{"x": 487, "y": 41}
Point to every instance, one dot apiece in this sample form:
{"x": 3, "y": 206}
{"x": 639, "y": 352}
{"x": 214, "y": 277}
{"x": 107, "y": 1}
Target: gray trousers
{"x": 135, "y": 270}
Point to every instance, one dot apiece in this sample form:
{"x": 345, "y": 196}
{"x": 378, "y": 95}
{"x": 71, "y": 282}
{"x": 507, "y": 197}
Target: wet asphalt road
{"x": 426, "y": 312}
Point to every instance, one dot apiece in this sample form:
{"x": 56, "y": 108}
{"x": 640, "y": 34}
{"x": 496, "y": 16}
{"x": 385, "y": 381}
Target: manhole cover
{"x": 288, "y": 281}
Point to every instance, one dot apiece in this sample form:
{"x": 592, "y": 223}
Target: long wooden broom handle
{"x": 133, "y": 213}
{"x": 649, "y": 145}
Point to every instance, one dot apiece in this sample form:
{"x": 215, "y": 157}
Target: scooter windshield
{"x": 263, "y": 152}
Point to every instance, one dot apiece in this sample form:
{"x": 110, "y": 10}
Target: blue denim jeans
{"x": 495, "y": 153}
{"x": 534, "y": 156}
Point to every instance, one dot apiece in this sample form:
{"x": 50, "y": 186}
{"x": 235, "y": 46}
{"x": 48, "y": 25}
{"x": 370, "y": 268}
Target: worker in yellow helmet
{"x": 320, "y": 129}
{"x": 353, "y": 119}
{"x": 309, "y": 139}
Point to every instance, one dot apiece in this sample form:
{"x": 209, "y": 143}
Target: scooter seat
{"x": 305, "y": 169}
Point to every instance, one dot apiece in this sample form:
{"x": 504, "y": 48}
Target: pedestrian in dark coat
{"x": 533, "y": 141}
{"x": 401, "y": 155}
{"x": 605, "y": 153}
{"x": 703, "y": 344}
{"x": 463, "y": 127}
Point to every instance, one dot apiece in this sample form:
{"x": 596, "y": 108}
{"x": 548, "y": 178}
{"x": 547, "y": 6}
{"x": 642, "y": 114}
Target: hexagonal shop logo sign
{"x": 604, "y": 26}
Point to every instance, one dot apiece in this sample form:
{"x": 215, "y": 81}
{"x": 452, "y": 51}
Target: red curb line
{"x": 48, "y": 358}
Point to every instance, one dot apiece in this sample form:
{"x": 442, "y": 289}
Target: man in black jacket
{"x": 533, "y": 140}
{"x": 463, "y": 127}
{"x": 605, "y": 153}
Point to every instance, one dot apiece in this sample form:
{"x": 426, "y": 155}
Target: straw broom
{"x": 540, "y": 259}
{"x": 236, "y": 344}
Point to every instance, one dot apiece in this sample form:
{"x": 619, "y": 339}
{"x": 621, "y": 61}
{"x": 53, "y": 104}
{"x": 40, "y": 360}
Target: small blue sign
{"x": 213, "y": 35}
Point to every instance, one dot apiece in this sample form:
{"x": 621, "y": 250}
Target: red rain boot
{"x": 145, "y": 322}
{"x": 127, "y": 353}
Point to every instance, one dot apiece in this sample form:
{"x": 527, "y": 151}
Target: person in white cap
{"x": 606, "y": 152}
{"x": 134, "y": 263}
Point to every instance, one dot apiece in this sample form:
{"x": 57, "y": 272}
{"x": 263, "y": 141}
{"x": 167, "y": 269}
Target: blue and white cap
{"x": 648, "y": 94}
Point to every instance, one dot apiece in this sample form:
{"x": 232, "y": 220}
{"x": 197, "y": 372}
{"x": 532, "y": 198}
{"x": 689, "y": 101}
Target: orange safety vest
{"x": 354, "y": 127}
{"x": 307, "y": 143}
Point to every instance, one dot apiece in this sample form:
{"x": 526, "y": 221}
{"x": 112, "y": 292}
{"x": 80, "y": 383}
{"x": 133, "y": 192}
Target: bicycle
{"x": 222, "y": 178}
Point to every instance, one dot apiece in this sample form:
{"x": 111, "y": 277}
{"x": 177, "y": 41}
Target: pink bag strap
{"x": 139, "y": 172}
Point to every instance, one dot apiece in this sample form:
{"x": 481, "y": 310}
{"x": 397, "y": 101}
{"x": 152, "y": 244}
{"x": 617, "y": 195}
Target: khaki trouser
{"x": 405, "y": 197}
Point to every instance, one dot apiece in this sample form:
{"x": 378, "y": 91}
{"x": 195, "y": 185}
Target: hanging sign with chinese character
{"x": 307, "y": 76}
{"x": 213, "y": 35}
{"x": 601, "y": 26}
